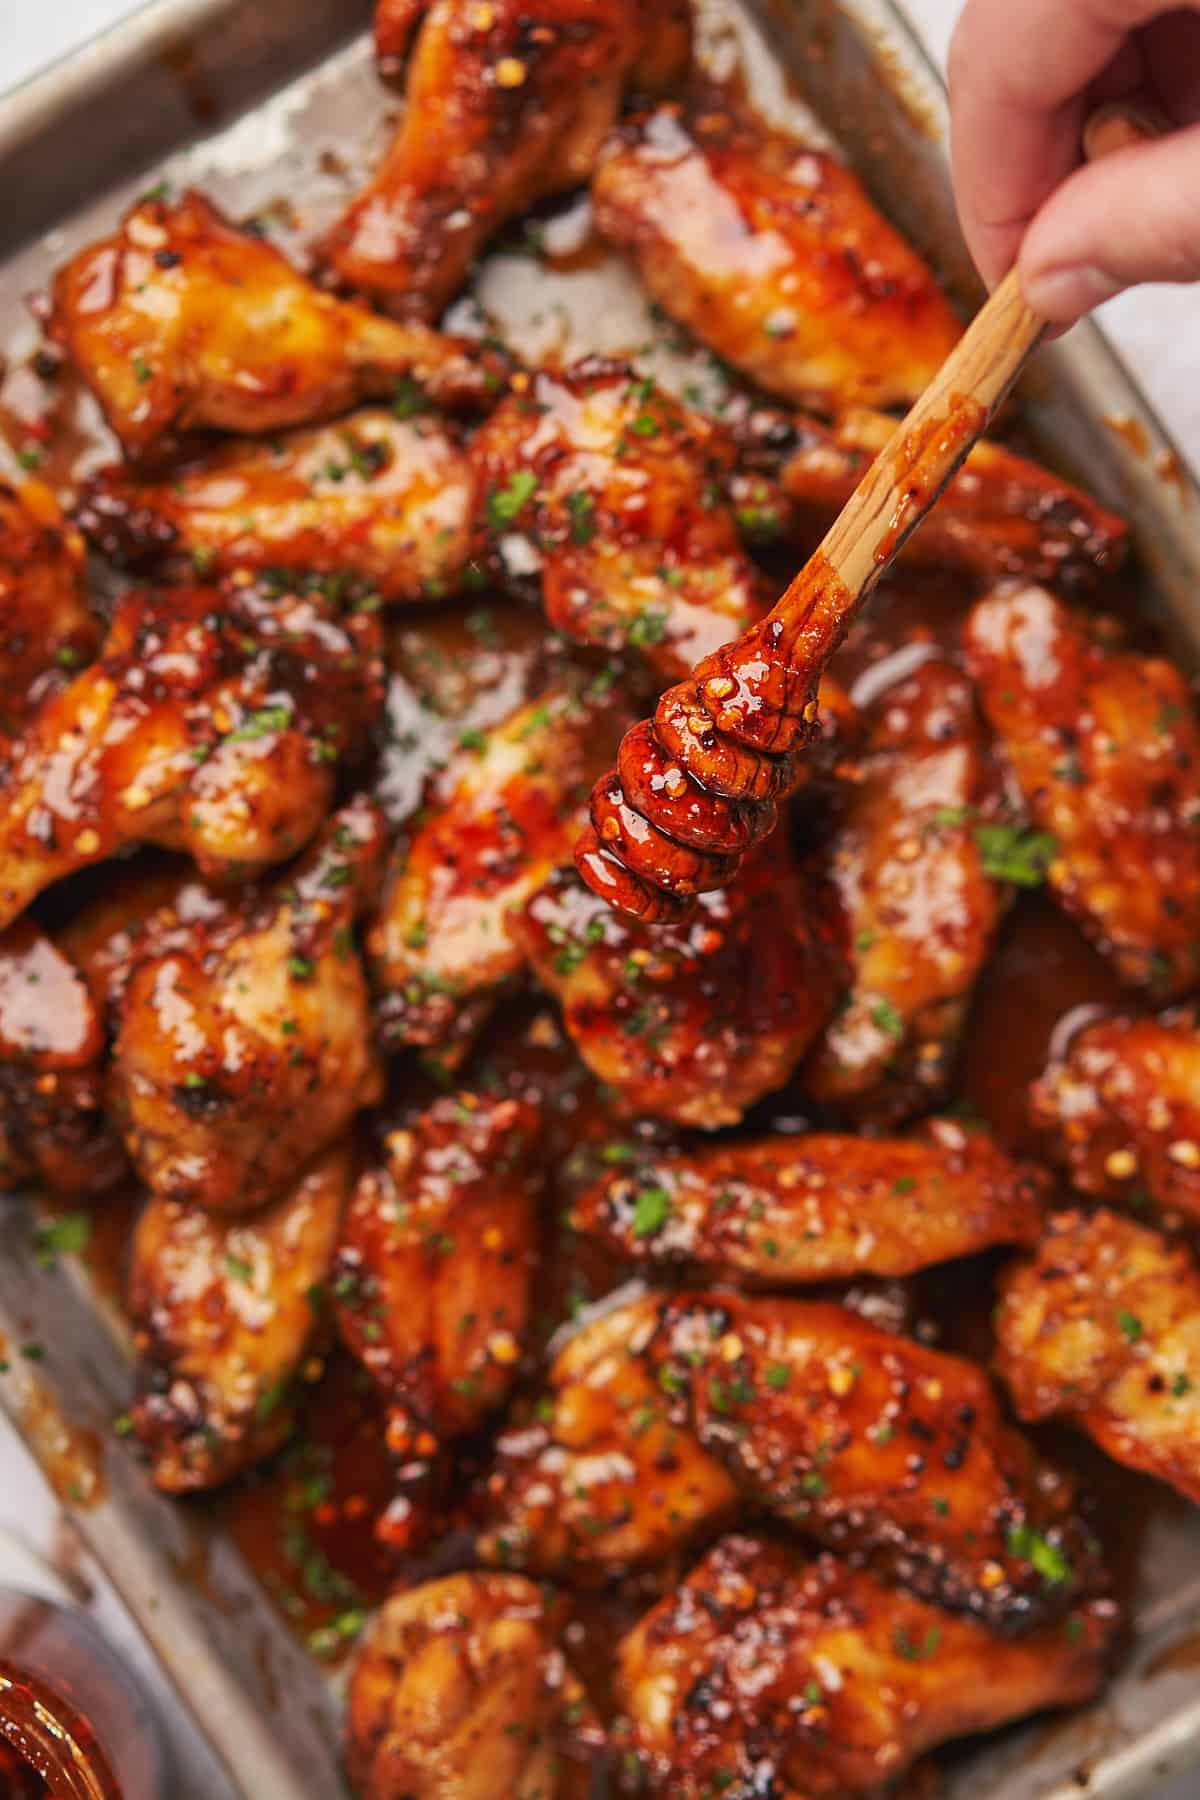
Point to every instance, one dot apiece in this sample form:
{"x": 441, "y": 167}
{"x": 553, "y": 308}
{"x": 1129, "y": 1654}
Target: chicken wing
{"x": 1002, "y": 515}
{"x": 242, "y": 1055}
{"x": 784, "y": 1211}
{"x": 378, "y": 500}
{"x": 1122, "y": 1103}
{"x": 601, "y": 1478}
{"x": 226, "y": 1314}
{"x": 767, "y": 1673}
{"x": 396, "y": 23}
{"x": 53, "y": 1127}
{"x": 610, "y": 490}
{"x": 772, "y": 254}
{"x": 1103, "y": 1326}
{"x": 919, "y": 904}
{"x": 212, "y": 723}
{"x": 874, "y": 1444}
{"x": 180, "y": 321}
{"x": 48, "y": 627}
{"x": 506, "y": 103}
{"x": 1105, "y": 747}
{"x": 435, "y": 1265}
{"x": 440, "y": 947}
{"x": 461, "y": 1692}
{"x": 693, "y": 1021}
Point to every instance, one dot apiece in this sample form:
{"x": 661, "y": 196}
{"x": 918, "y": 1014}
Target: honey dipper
{"x": 699, "y": 784}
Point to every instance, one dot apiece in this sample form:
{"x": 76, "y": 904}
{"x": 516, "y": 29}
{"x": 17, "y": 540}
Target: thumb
{"x": 1132, "y": 216}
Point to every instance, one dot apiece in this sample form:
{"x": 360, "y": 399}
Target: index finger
{"x": 1019, "y": 73}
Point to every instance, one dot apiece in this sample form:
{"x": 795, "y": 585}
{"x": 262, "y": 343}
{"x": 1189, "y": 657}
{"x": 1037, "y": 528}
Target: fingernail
{"x": 1064, "y": 295}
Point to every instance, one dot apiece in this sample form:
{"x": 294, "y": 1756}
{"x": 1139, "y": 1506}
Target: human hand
{"x": 1025, "y": 75}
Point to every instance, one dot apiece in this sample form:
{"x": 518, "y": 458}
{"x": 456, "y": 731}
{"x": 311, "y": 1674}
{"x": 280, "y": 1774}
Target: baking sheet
{"x": 247, "y": 98}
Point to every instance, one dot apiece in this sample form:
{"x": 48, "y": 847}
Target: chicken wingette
{"x": 181, "y": 322}
{"x": 1104, "y": 745}
{"x": 212, "y": 722}
{"x": 605, "y": 492}
{"x": 246, "y": 1049}
{"x": 1102, "y": 1326}
{"x": 772, "y": 254}
{"x": 383, "y": 502}
{"x": 769, "y": 1672}
{"x": 786, "y": 1211}
{"x": 691, "y": 1022}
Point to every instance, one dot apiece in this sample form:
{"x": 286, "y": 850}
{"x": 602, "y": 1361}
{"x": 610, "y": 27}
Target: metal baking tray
{"x": 248, "y": 98}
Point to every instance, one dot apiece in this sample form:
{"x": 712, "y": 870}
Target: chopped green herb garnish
{"x": 1011, "y": 853}
{"x": 651, "y": 1210}
{"x": 505, "y": 503}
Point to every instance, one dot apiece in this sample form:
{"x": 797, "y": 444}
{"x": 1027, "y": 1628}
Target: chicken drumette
{"x": 461, "y": 1692}
{"x": 609, "y": 492}
{"x": 381, "y": 501}
{"x": 1105, "y": 748}
{"x": 769, "y": 1673}
{"x": 694, "y": 1021}
{"x": 1122, "y": 1104}
{"x": 772, "y": 254}
{"x": 212, "y": 722}
{"x": 226, "y": 1314}
{"x": 1103, "y": 1326}
{"x": 441, "y": 948}
{"x": 48, "y": 629}
{"x": 435, "y": 1266}
{"x": 786, "y": 1211}
{"x": 246, "y": 1049}
{"x": 506, "y": 102}
{"x": 180, "y": 321}
{"x": 919, "y": 905}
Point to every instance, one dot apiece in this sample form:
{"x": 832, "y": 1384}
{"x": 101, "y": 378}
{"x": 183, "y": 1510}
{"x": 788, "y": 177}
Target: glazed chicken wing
{"x": 771, "y": 253}
{"x": 241, "y": 1055}
{"x": 1002, "y": 515}
{"x": 874, "y": 1444}
{"x": 212, "y": 723}
{"x": 785, "y": 1211}
{"x": 610, "y": 491}
{"x": 506, "y": 102}
{"x": 460, "y": 1692}
{"x": 180, "y": 321}
{"x": 694, "y": 1021}
{"x": 1105, "y": 747}
{"x": 440, "y": 948}
{"x": 48, "y": 627}
{"x": 435, "y": 1266}
{"x": 226, "y": 1313}
{"x": 919, "y": 906}
{"x": 385, "y": 502}
{"x": 601, "y": 1478}
{"x": 767, "y": 1673}
{"x": 1123, "y": 1106}
{"x": 1103, "y": 1326}
{"x": 52, "y": 1122}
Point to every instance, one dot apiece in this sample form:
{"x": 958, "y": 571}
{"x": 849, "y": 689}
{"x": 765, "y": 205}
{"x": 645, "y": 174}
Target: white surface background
{"x": 1158, "y": 330}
